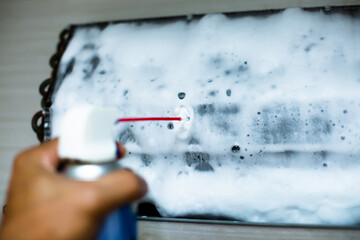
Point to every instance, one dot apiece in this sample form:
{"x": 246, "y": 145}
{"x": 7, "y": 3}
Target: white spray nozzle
{"x": 86, "y": 134}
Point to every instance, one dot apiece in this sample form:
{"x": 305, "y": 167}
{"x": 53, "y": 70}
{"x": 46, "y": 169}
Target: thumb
{"x": 119, "y": 188}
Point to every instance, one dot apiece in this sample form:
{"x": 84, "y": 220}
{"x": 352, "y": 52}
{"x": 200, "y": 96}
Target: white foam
{"x": 284, "y": 88}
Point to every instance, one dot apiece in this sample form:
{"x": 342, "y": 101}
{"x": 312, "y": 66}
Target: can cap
{"x": 86, "y": 134}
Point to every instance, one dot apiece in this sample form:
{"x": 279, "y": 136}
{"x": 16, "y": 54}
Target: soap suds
{"x": 270, "y": 108}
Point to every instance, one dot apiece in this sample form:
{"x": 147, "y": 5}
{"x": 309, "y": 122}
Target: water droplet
{"x": 227, "y": 72}
{"x": 228, "y": 92}
{"x": 170, "y": 126}
{"x": 235, "y": 149}
{"x": 258, "y": 113}
{"x": 213, "y": 93}
{"x": 324, "y": 164}
{"x": 181, "y": 95}
{"x": 242, "y": 157}
{"x": 345, "y": 111}
{"x": 342, "y": 137}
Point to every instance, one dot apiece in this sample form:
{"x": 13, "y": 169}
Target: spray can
{"x": 86, "y": 136}
{"x": 120, "y": 224}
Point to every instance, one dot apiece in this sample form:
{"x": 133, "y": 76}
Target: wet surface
{"x": 274, "y": 116}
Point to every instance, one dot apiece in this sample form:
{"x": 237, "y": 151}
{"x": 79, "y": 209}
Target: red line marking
{"x": 149, "y": 119}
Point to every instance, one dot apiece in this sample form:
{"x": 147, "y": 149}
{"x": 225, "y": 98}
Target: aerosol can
{"x": 87, "y": 145}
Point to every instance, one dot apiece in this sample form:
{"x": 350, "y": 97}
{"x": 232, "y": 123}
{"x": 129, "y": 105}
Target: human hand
{"x": 42, "y": 204}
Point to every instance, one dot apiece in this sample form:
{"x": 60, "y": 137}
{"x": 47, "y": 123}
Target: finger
{"x": 120, "y": 151}
{"x": 50, "y": 154}
{"x": 119, "y": 188}
{"x": 45, "y": 155}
